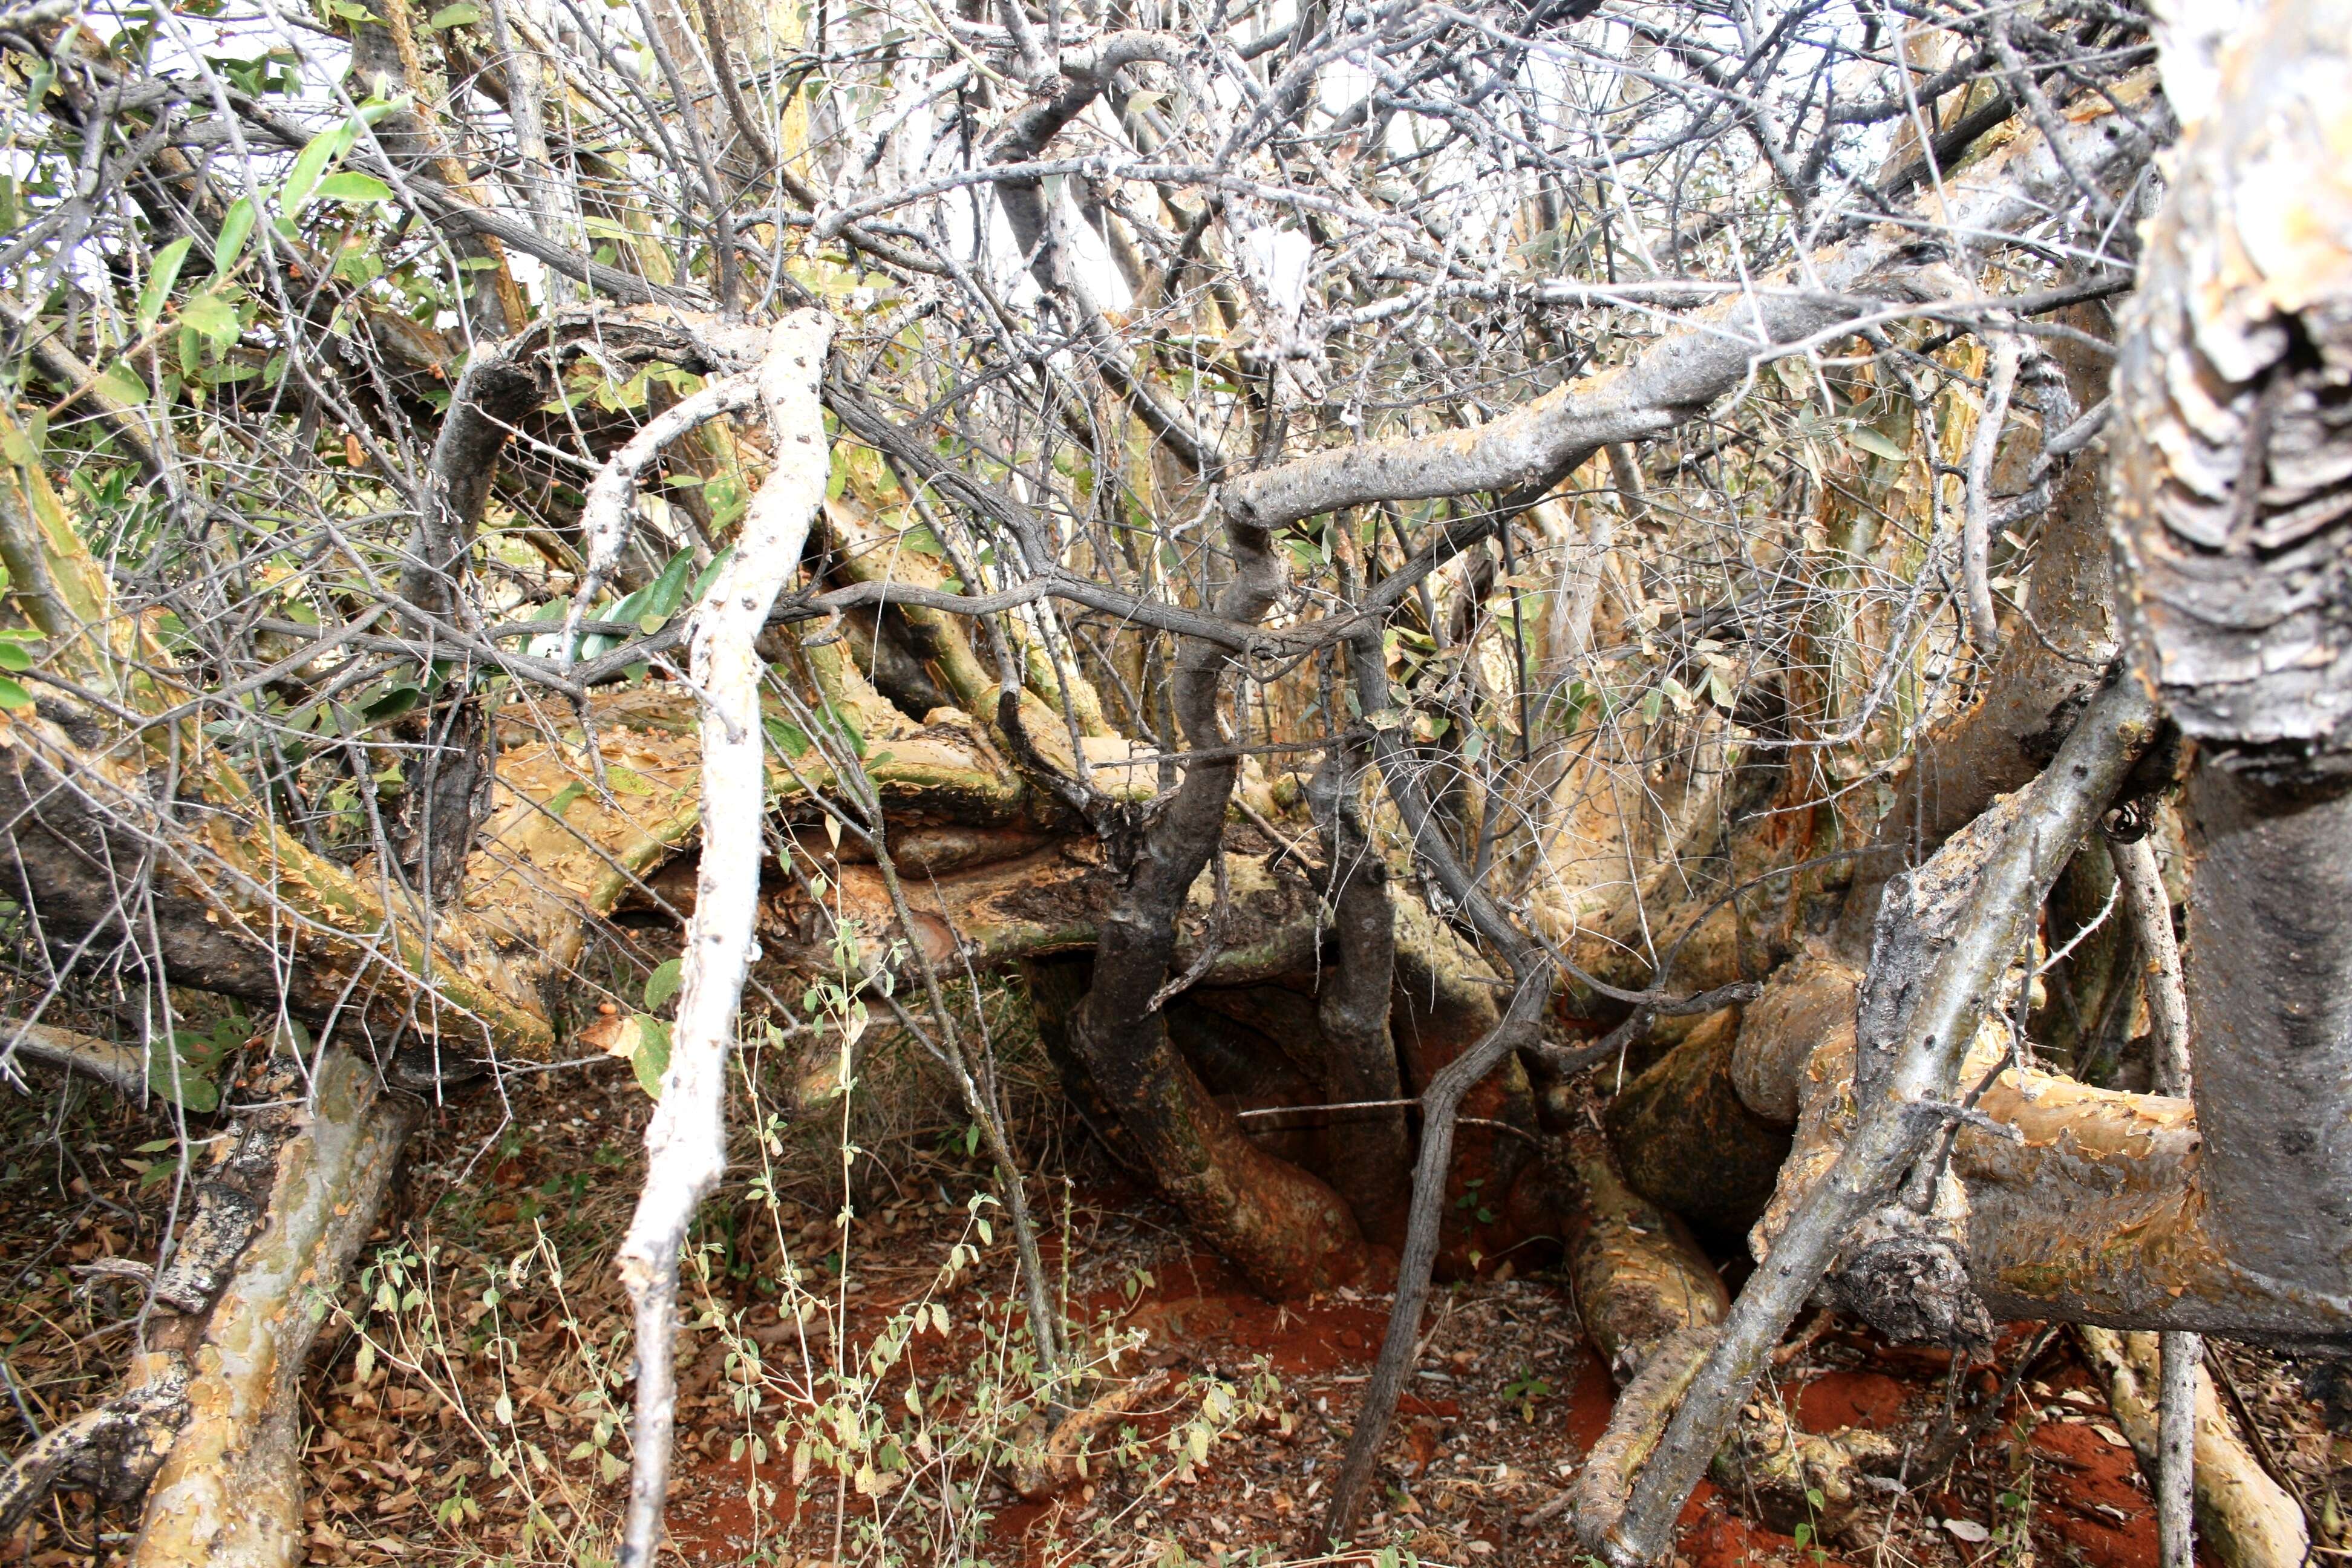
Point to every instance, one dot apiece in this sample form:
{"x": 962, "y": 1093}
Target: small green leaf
{"x": 167, "y": 272}
{"x": 12, "y": 695}
{"x": 789, "y": 738}
{"x": 650, "y": 1060}
{"x": 458, "y": 15}
{"x": 233, "y": 230}
{"x": 665, "y": 593}
{"x": 1871, "y": 441}
{"x": 310, "y": 162}
{"x": 13, "y": 657}
{"x": 214, "y": 317}
{"x": 360, "y": 190}
{"x": 663, "y": 983}
{"x": 708, "y": 574}
{"x": 121, "y": 383}
{"x": 561, "y": 800}
{"x": 190, "y": 1091}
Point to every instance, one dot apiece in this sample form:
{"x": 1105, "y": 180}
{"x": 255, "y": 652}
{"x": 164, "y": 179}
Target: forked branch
{"x": 686, "y": 1142}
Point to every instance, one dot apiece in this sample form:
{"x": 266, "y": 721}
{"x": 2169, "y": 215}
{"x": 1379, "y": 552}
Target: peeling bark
{"x": 113, "y": 1450}
{"x": 2234, "y": 521}
{"x": 230, "y": 1491}
{"x": 1906, "y": 1096}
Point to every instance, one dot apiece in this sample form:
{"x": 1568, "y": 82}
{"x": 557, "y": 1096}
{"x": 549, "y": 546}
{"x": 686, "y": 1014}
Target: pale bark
{"x": 230, "y": 1492}
{"x": 686, "y": 1141}
{"x": 118, "y": 1066}
{"x": 1639, "y": 1279}
{"x": 2246, "y": 1518}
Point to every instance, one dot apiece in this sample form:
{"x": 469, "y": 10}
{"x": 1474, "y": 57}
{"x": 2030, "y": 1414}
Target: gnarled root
{"x": 230, "y": 1491}
{"x": 1640, "y": 1279}
{"x": 1791, "y": 1477}
{"x": 1058, "y": 1460}
{"x": 2246, "y": 1517}
{"x": 1686, "y": 1140}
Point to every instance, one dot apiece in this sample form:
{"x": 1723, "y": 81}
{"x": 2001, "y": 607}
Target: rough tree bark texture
{"x": 2234, "y": 521}
{"x": 230, "y": 1494}
{"x": 1915, "y": 1078}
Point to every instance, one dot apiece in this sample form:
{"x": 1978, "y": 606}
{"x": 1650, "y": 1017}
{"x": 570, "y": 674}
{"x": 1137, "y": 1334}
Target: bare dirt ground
{"x": 467, "y": 1402}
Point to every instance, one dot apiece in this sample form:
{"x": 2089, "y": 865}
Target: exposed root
{"x": 1686, "y": 1139}
{"x": 230, "y": 1492}
{"x": 1789, "y": 1477}
{"x": 1638, "y": 1278}
{"x": 1915, "y": 1030}
{"x": 2247, "y": 1518}
{"x": 1059, "y": 1459}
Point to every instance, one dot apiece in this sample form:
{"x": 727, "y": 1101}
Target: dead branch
{"x": 113, "y": 1450}
{"x": 1906, "y": 1100}
{"x": 118, "y": 1066}
{"x": 686, "y": 1142}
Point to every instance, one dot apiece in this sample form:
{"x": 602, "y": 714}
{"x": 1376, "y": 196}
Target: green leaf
{"x": 663, "y": 983}
{"x": 789, "y": 738}
{"x": 310, "y": 162}
{"x": 650, "y": 1060}
{"x": 12, "y": 695}
{"x": 360, "y": 190}
{"x": 709, "y": 575}
{"x": 233, "y": 230}
{"x": 213, "y": 315}
{"x": 561, "y": 801}
{"x": 168, "y": 262}
{"x": 13, "y": 657}
{"x": 121, "y": 383}
{"x": 194, "y": 1091}
{"x": 458, "y": 15}
{"x": 1871, "y": 441}
{"x": 665, "y": 593}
